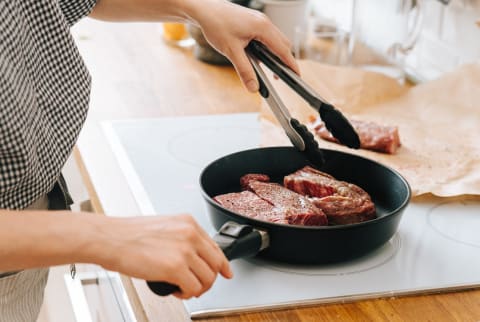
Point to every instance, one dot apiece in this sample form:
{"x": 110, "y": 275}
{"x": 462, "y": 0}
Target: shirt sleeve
{"x": 74, "y": 10}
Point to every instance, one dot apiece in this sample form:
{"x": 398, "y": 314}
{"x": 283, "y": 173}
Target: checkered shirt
{"x": 44, "y": 94}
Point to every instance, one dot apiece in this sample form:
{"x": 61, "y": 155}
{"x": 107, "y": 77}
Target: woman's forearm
{"x": 158, "y": 248}
{"x": 39, "y": 238}
{"x": 148, "y": 10}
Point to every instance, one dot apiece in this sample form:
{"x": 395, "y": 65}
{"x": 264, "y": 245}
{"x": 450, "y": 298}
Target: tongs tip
{"x": 335, "y": 121}
{"x": 339, "y": 126}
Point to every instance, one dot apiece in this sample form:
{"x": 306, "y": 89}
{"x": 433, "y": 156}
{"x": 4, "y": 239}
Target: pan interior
{"x": 389, "y": 191}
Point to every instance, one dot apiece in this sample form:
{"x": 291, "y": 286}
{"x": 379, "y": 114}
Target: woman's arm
{"x": 141, "y": 10}
{"x": 227, "y": 27}
{"x": 162, "y": 248}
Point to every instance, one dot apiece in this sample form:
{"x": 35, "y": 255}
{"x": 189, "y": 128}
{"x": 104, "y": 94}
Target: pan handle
{"x": 235, "y": 240}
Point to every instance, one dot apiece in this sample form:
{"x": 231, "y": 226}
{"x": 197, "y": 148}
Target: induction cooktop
{"x": 436, "y": 246}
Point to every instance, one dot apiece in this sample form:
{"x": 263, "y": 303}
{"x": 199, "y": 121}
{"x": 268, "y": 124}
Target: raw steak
{"x": 244, "y": 180}
{"x": 372, "y": 136}
{"x": 342, "y": 202}
{"x": 272, "y": 202}
{"x": 297, "y": 209}
{"x": 249, "y": 204}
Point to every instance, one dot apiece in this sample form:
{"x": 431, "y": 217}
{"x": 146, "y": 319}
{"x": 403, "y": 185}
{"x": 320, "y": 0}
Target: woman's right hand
{"x": 172, "y": 249}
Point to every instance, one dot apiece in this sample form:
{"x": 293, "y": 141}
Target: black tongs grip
{"x": 334, "y": 120}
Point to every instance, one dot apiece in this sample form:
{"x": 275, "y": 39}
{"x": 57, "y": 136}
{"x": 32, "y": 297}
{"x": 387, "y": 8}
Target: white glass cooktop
{"x": 435, "y": 248}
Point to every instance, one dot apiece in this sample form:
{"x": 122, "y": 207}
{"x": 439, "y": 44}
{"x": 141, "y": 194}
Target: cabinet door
{"x": 98, "y": 295}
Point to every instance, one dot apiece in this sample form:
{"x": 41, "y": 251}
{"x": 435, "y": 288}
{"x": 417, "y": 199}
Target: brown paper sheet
{"x": 438, "y": 121}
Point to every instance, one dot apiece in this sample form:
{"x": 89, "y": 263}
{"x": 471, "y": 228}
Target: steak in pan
{"x": 297, "y": 209}
{"x": 272, "y": 202}
{"x": 342, "y": 202}
{"x": 245, "y": 180}
{"x": 309, "y": 197}
{"x": 249, "y": 204}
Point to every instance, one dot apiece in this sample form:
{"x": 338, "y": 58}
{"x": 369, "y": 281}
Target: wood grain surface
{"x": 136, "y": 75}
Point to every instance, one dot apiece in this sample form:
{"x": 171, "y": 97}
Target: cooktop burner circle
{"x": 467, "y": 221}
{"x": 195, "y": 146}
{"x": 375, "y": 259}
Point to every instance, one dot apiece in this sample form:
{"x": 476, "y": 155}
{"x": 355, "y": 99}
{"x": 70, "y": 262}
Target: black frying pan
{"x": 241, "y": 236}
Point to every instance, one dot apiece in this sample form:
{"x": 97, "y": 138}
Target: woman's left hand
{"x": 229, "y": 28}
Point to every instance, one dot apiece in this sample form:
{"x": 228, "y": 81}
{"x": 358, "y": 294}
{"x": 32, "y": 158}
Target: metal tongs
{"x": 301, "y": 138}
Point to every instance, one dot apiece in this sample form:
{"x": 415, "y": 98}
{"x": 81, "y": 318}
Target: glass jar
{"x": 176, "y": 33}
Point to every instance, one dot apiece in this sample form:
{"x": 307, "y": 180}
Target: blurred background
{"x": 417, "y": 39}
{"x": 446, "y": 32}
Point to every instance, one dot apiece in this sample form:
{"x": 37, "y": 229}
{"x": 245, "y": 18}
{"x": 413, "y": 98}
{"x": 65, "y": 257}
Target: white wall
{"x": 449, "y": 37}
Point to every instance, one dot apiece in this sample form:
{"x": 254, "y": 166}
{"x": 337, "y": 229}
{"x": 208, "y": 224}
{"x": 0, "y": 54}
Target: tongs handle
{"x": 280, "y": 111}
{"x": 285, "y": 73}
{"x": 298, "y": 133}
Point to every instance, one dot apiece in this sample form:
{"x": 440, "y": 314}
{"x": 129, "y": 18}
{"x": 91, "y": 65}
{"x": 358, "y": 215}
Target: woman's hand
{"x": 229, "y": 28}
{"x": 172, "y": 249}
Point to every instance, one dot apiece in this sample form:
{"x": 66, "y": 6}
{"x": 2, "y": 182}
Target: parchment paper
{"x": 438, "y": 121}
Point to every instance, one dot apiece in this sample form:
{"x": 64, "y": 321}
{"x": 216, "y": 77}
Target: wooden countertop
{"x": 136, "y": 75}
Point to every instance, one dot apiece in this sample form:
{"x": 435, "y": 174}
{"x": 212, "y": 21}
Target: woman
{"x": 44, "y": 94}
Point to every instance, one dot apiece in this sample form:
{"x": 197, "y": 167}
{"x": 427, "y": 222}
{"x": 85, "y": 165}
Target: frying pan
{"x": 241, "y": 236}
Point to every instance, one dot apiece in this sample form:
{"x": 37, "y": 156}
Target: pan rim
{"x": 386, "y": 216}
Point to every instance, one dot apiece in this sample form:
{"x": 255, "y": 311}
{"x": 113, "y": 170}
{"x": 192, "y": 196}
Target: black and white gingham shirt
{"x": 44, "y": 94}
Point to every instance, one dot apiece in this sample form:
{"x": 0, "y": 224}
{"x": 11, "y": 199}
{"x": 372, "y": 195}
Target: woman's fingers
{"x": 276, "y": 44}
{"x": 201, "y": 259}
{"x": 198, "y": 280}
{"x": 204, "y": 260}
{"x": 188, "y": 283}
{"x": 244, "y": 69}
{"x": 214, "y": 257}
{"x": 211, "y": 252}
{"x": 279, "y": 45}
